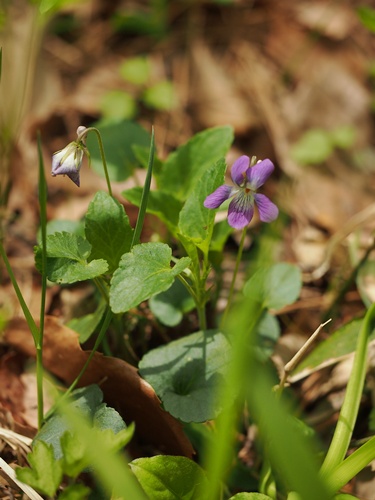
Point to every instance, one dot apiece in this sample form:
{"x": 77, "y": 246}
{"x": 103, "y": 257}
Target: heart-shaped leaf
{"x": 143, "y": 272}
{"x": 185, "y": 374}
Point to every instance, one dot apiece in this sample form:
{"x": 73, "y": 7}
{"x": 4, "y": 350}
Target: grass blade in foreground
{"x": 111, "y": 470}
{"x": 349, "y": 411}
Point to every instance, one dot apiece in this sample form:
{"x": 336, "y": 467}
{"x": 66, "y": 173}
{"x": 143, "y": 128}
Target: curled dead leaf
{"x": 123, "y": 388}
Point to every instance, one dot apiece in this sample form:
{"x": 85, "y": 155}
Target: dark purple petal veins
{"x": 259, "y": 173}
{"x": 241, "y": 210}
{"x": 215, "y": 199}
{"x": 239, "y": 168}
{"x": 268, "y": 211}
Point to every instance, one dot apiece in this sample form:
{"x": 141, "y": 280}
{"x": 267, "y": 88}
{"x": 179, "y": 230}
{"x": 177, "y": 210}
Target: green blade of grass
{"x": 351, "y": 466}
{"x": 26, "y": 311}
{"x": 348, "y": 415}
{"x": 146, "y": 190}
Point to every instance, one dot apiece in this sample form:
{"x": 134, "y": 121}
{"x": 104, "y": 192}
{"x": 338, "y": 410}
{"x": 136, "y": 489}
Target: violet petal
{"x": 268, "y": 211}
{"x": 259, "y": 173}
{"x": 215, "y": 199}
{"x": 239, "y": 168}
{"x": 241, "y": 210}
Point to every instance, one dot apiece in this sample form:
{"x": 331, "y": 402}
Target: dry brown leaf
{"x": 123, "y": 388}
{"x": 216, "y": 97}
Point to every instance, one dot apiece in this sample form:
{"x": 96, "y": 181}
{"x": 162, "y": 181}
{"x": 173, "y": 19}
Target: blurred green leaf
{"x": 108, "y": 229}
{"x": 136, "y": 70}
{"x": 367, "y": 17}
{"x": 75, "y": 492}
{"x": 45, "y": 473}
{"x": 250, "y": 496}
{"x": 118, "y": 105}
{"x": 268, "y": 334}
{"x": 161, "y": 96}
{"x": 343, "y": 137}
{"x": 118, "y": 140}
{"x": 185, "y": 374}
{"x": 340, "y": 343}
{"x": 166, "y": 477}
{"x": 143, "y": 272}
{"x": 315, "y": 146}
{"x": 89, "y": 401}
{"x": 275, "y": 286}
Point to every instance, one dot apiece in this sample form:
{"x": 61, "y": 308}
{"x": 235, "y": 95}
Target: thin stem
{"x": 232, "y": 285}
{"x": 199, "y": 304}
{"x": 102, "y": 154}
{"x": 43, "y": 226}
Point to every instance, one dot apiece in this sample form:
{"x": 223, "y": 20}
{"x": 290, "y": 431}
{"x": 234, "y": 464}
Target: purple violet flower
{"x": 68, "y": 161}
{"x": 247, "y": 178}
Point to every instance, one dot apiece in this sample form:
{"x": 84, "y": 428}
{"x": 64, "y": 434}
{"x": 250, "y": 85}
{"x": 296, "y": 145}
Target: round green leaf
{"x": 166, "y": 477}
{"x": 185, "y": 374}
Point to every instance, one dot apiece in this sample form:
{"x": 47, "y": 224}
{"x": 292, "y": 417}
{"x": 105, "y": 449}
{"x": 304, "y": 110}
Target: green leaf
{"x": 222, "y": 231}
{"x": 108, "y": 229}
{"x": 117, "y": 105}
{"x": 186, "y": 373}
{"x": 250, "y": 496}
{"x": 143, "y": 272}
{"x": 268, "y": 334}
{"x": 315, "y": 146}
{"x": 67, "y": 256}
{"x": 75, "y": 456}
{"x": 276, "y": 286}
{"x": 46, "y": 473}
{"x": 343, "y": 137}
{"x": 184, "y": 167}
{"x": 170, "y": 306}
{"x": 118, "y": 140}
{"x": 86, "y": 325}
{"x": 66, "y": 271}
{"x": 61, "y": 226}
{"x": 160, "y": 96}
{"x": 68, "y": 246}
{"x": 164, "y": 205}
{"x": 339, "y": 344}
{"x": 88, "y": 401}
{"x": 75, "y": 492}
{"x": 195, "y": 220}
{"x": 367, "y": 17}
{"x": 166, "y": 477}
{"x": 136, "y": 70}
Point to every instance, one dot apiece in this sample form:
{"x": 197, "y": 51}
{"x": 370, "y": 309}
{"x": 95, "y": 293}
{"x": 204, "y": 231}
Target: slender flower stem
{"x": 101, "y": 148}
{"x": 43, "y": 226}
{"x": 232, "y": 285}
